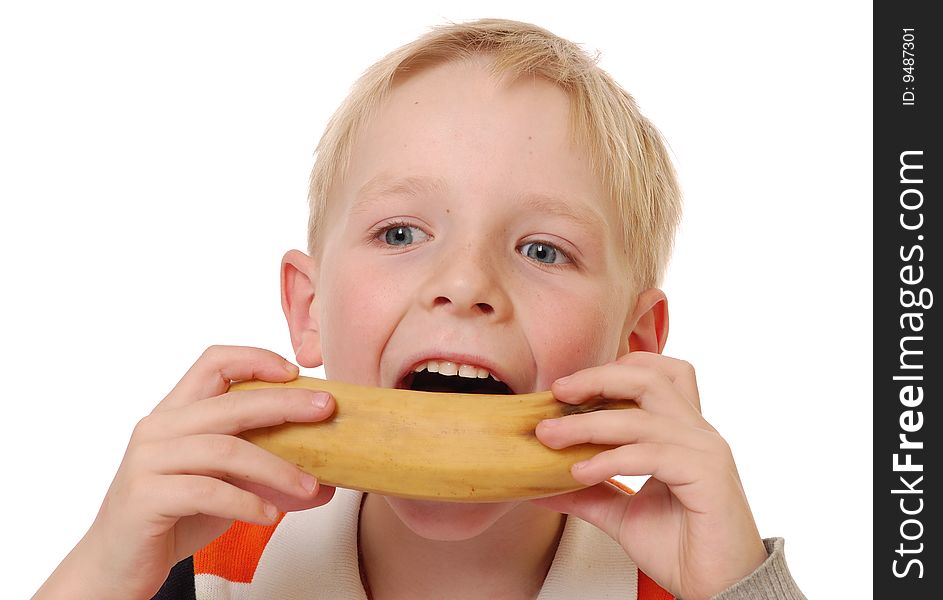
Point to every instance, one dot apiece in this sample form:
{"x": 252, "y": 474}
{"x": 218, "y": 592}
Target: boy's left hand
{"x": 690, "y": 527}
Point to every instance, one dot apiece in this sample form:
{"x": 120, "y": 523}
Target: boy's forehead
{"x": 456, "y": 127}
{"x": 464, "y": 98}
{"x": 474, "y": 79}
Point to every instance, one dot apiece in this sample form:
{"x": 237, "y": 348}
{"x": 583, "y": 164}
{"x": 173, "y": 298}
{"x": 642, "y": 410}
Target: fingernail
{"x": 549, "y": 423}
{"x": 308, "y": 482}
{"x": 291, "y": 368}
{"x": 563, "y": 380}
{"x": 321, "y": 399}
{"x": 271, "y": 512}
{"x": 580, "y": 465}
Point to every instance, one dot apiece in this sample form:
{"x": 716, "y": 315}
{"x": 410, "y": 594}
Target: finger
{"x": 687, "y": 472}
{"x": 179, "y": 496}
{"x": 680, "y": 372}
{"x": 235, "y": 412}
{"x": 620, "y": 427}
{"x": 649, "y": 388}
{"x": 229, "y": 457}
{"x": 673, "y": 465}
{"x": 218, "y": 366}
{"x": 286, "y": 502}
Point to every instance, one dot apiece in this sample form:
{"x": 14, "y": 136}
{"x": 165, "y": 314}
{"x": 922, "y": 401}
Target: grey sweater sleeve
{"x": 770, "y": 581}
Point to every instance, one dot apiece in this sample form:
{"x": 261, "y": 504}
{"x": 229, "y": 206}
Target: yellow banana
{"x": 430, "y": 445}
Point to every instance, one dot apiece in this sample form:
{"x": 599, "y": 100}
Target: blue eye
{"x": 402, "y": 235}
{"x": 544, "y": 253}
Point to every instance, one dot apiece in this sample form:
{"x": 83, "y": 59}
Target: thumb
{"x": 602, "y": 505}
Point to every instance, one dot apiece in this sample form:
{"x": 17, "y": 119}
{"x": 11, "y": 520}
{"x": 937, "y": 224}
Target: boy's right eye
{"x": 401, "y": 234}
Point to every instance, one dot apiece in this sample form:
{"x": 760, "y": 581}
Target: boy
{"x": 486, "y": 198}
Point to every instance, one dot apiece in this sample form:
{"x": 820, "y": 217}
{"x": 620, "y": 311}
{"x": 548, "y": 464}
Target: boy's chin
{"x": 448, "y": 521}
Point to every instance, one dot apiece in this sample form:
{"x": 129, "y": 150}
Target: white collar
{"x": 313, "y": 554}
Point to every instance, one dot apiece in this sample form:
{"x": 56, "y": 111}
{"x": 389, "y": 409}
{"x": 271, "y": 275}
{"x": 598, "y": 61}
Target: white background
{"x": 153, "y": 170}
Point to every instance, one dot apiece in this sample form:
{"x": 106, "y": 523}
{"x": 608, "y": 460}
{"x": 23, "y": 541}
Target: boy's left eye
{"x": 544, "y": 253}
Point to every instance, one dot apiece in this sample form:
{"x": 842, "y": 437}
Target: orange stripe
{"x": 618, "y": 484}
{"x": 235, "y": 554}
{"x": 649, "y": 590}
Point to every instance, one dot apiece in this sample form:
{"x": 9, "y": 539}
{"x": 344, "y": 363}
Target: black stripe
{"x": 180, "y": 583}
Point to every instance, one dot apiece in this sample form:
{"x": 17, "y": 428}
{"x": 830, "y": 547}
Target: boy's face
{"x": 468, "y": 228}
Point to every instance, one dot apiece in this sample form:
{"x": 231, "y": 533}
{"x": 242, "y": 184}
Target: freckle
{"x": 416, "y": 102}
{"x": 447, "y": 211}
{"x": 530, "y": 137}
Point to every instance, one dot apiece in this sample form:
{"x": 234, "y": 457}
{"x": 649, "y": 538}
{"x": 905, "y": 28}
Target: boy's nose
{"x": 467, "y": 287}
{"x": 482, "y": 307}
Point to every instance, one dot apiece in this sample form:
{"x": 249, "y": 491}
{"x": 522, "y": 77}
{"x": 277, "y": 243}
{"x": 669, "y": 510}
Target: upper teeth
{"x": 447, "y": 367}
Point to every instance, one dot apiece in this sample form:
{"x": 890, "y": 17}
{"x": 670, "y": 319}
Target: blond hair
{"x": 625, "y": 149}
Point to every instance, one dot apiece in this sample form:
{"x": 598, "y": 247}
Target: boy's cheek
{"x": 572, "y": 341}
{"x": 355, "y": 317}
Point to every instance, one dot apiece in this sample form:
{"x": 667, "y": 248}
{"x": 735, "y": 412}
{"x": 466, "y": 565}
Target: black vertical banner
{"x": 908, "y": 367}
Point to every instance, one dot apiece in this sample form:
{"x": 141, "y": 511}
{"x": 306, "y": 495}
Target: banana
{"x": 430, "y": 445}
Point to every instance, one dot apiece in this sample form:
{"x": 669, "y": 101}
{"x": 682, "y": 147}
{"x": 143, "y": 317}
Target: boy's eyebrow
{"x": 586, "y": 218}
{"x": 384, "y": 185}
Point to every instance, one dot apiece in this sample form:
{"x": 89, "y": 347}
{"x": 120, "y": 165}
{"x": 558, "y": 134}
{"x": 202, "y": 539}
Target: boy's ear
{"x": 299, "y": 302}
{"x": 647, "y": 326}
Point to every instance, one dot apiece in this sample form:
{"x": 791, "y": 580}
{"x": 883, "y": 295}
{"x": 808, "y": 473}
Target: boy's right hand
{"x": 186, "y": 476}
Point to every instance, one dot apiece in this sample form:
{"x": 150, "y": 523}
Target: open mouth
{"x": 424, "y": 381}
